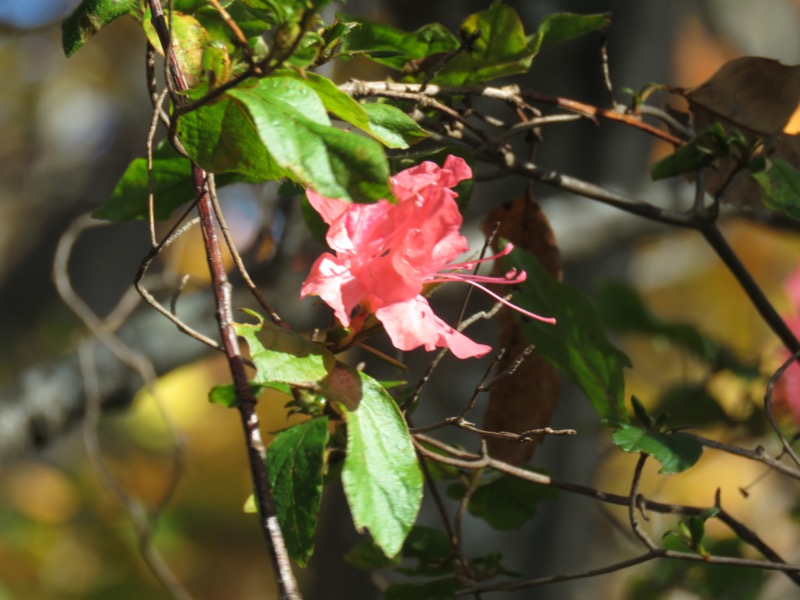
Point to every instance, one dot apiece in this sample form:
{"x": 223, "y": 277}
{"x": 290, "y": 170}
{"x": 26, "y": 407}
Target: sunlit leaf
{"x": 561, "y": 27}
{"x": 501, "y": 48}
{"x": 279, "y": 127}
{"x": 295, "y": 461}
{"x": 675, "y": 451}
{"x": 392, "y": 126}
{"x": 381, "y": 476}
{"x": 225, "y": 394}
{"x": 282, "y": 356}
{"x": 88, "y": 18}
{"x": 189, "y": 39}
{"x": 577, "y": 344}
{"x": 394, "y": 47}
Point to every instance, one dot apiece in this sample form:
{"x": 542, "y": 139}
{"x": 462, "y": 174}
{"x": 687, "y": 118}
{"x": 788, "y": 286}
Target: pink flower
{"x": 386, "y": 253}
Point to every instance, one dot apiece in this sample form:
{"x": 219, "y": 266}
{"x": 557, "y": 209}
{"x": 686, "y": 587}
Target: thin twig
{"x": 245, "y": 399}
{"x": 759, "y": 454}
{"x": 237, "y": 258}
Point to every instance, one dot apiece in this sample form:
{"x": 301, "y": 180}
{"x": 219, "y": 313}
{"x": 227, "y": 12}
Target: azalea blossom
{"x": 386, "y": 253}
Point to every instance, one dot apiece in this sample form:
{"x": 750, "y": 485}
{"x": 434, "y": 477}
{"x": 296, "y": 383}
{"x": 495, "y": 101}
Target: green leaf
{"x": 225, "y": 394}
{"x": 501, "y": 49}
{"x": 295, "y": 461}
{"x": 172, "y": 187}
{"x": 695, "y": 155}
{"x": 427, "y": 545}
{"x": 561, "y": 27}
{"x": 624, "y": 311}
{"x": 430, "y": 548}
{"x": 381, "y": 476}
{"x": 780, "y": 186}
{"x": 279, "y": 127}
{"x": 394, "y": 47}
{"x": 387, "y": 124}
{"x": 577, "y": 344}
{"x": 675, "y": 451}
{"x": 691, "y": 405}
{"x": 366, "y": 555}
{"x": 438, "y": 589}
{"x": 88, "y": 18}
{"x": 506, "y": 503}
{"x": 189, "y": 38}
{"x": 282, "y": 356}
{"x": 392, "y": 126}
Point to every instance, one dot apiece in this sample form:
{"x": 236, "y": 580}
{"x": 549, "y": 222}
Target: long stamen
{"x": 443, "y": 277}
{"x": 470, "y": 264}
{"x": 505, "y": 280}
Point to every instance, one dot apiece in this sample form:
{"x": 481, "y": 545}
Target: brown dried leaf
{"x": 756, "y": 95}
{"x": 525, "y": 399}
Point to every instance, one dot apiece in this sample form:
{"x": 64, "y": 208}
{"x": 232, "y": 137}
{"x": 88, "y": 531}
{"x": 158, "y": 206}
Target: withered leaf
{"x": 757, "y": 97}
{"x": 524, "y": 400}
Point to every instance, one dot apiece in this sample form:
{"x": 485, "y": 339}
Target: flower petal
{"x": 333, "y": 282}
{"x": 413, "y": 324}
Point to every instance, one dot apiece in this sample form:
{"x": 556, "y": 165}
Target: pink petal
{"x": 329, "y": 209}
{"x": 413, "y": 324}
{"x": 332, "y": 281}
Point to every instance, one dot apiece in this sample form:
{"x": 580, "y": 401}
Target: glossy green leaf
{"x": 88, "y": 18}
{"x": 386, "y": 123}
{"x": 279, "y": 127}
{"x": 282, "y": 356}
{"x": 333, "y": 99}
{"x": 780, "y": 186}
{"x": 577, "y": 344}
{"x": 675, "y": 451}
{"x": 505, "y": 502}
{"x": 172, "y": 187}
{"x": 501, "y": 48}
{"x": 220, "y": 137}
{"x": 394, "y": 47}
{"x": 381, "y": 476}
{"x": 561, "y": 27}
{"x": 392, "y": 126}
{"x": 295, "y": 461}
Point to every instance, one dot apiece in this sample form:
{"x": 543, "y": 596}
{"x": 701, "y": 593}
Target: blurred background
{"x": 69, "y": 129}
